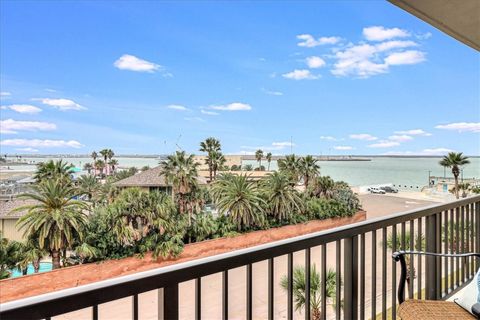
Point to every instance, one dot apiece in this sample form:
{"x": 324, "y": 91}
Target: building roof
{"x": 6, "y": 208}
{"x": 148, "y": 178}
{"x": 459, "y": 19}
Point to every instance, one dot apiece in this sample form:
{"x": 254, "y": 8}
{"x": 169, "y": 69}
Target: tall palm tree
{"x": 94, "y": 156}
{"x": 32, "y": 254}
{"x": 88, "y": 167}
{"x": 9, "y": 256}
{"x": 454, "y": 161}
{"x": 299, "y": 288}
{"x": 88, "y": 185}
{"x": 113, "y": 163}
{"x": 212, "y": 147}
{"x": 281, "y": 196}
{"x": 239, "y": 198}
{"x": 290, "y": 166}
{"x": 110, "y": 155}
{"x": 269, "y": 159}
{"x": 180, "y": 170}
{"x": 258, "y": 157}
{"x": 100, "y": 166}
{"x": 53, "y": 170}
{"x": 309, "y": 169}
{"x": 218, "y": 161}
{"x": 104, "y": 153}
{"x": 56, "y": 220}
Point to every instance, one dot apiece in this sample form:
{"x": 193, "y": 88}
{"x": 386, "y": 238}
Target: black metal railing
{"x": 366, "y": 278}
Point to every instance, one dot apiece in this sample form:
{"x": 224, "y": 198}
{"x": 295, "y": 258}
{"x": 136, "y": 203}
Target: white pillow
{"x": 469, "y": 295}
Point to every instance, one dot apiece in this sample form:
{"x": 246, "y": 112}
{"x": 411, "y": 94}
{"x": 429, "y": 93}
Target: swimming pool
{"x": 44, "y": 266}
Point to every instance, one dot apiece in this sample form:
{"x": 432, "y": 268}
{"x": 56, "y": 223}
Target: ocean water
{"x": 399, "y": 171}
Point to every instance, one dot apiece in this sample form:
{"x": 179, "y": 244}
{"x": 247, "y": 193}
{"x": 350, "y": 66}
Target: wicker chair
{"x": 430, "y": 309}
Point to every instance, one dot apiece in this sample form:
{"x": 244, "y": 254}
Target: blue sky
{"x": 337, "y": 77}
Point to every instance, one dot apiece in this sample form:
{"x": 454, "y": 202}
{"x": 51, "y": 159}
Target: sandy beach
{"x": 375, "y": 205}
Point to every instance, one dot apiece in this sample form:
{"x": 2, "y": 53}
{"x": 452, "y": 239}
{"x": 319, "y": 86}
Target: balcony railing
{"x": 360, "y": 254}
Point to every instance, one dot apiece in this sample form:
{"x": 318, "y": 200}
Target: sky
{"x": 325, "y": 77}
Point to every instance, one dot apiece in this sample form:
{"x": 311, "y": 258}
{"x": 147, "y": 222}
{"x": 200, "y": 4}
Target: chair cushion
{"x": 469, "y": 295}
{"x": 432, "y": 310}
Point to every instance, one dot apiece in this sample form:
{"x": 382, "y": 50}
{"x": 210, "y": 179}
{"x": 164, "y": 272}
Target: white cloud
{"x": 177, "y": 107}
{"x": 328, "y": 138}
{"x": 62, "y": 104}
{"x": 400, "y": 138}
{"x": 363, "y": 136}
{"x": 50, "y": 90}
{"x": 37, "y": 143}
{"x": 380, "y": 33}
{"x": 272, "y": 93}
{"x": 414, "y": 132}
{"x": 235, "y": 106}
{"x": 405, "y": 57}
{"x": 343, "y": 148}
{"x": 5, "y": 94}
{"x": 315, "y": 62}
{"x": 132, "y": 63}
{"x": 27, "y": 149}
{"x": 23, "y": 108}
{"x": 307, "y": 40}
{"x": 11, "y": 126}
{"x": 384, "y": 144}
{"x": 210, "y": 113}
{"x": 365, "y": 60}
{"x": 300, "y": 75}
{"x": 461, "y": 126}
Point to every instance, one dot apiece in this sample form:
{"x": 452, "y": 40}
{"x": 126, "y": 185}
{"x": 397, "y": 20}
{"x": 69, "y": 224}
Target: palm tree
{"x": 248, "y": 167}
{"x": 290, "y": 166}
{"x": 88, "y": 167}
{"x": 53, "y": 170}
{"x": 94, "y": 156}
{"x": 104, "y": 153}
{"x": 218, "y": 161}
{"x": 299, "y": 288}
{"x": 110, "y": 155}
{"x": 418, "y": 244}
{"x": 88, "y": 185}
{"x": 309, "y": 169}
{"x": 322, "y": 187}
{"x": 212, "y": 147}
{"x": 32, "y": 254}
{"x": 454, "y": 161}
{"x": 100, "y": 165}
{"x": 258, "y": 157}
{"x": 180, "y": 170}
{"x": 269, "y": 159}
{"x": 113, "y": 163}
{"x": 56, "y": 220}
{"x": 239, "y": 198}
{"x": 9, "y": 256}
{"x": 281, "y": 196}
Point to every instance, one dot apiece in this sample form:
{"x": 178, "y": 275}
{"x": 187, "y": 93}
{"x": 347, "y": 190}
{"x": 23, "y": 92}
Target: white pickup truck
{"x": 376, "y": 190}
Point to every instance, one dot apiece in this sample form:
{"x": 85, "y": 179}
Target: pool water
{"x": 44, "y": 266}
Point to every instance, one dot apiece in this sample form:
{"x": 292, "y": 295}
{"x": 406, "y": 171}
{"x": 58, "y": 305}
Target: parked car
{"x": 376, "y": 190}
{"x": 389, "y": 189}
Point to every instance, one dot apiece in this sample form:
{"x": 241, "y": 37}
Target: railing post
{"x": 170, "y": 302}
{"x": 430, "y": 261}
{"x": 350, "y": 271}
{"x": 477, "y": 232}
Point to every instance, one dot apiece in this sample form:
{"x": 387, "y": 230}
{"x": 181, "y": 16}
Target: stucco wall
{"x": 9, "y": 230}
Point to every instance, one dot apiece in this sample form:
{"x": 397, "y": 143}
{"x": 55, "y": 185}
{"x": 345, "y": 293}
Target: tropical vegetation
{"x": 88, "y": 219}
{"x": 299, "y": 289}
{"x": 454, "y": 161}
